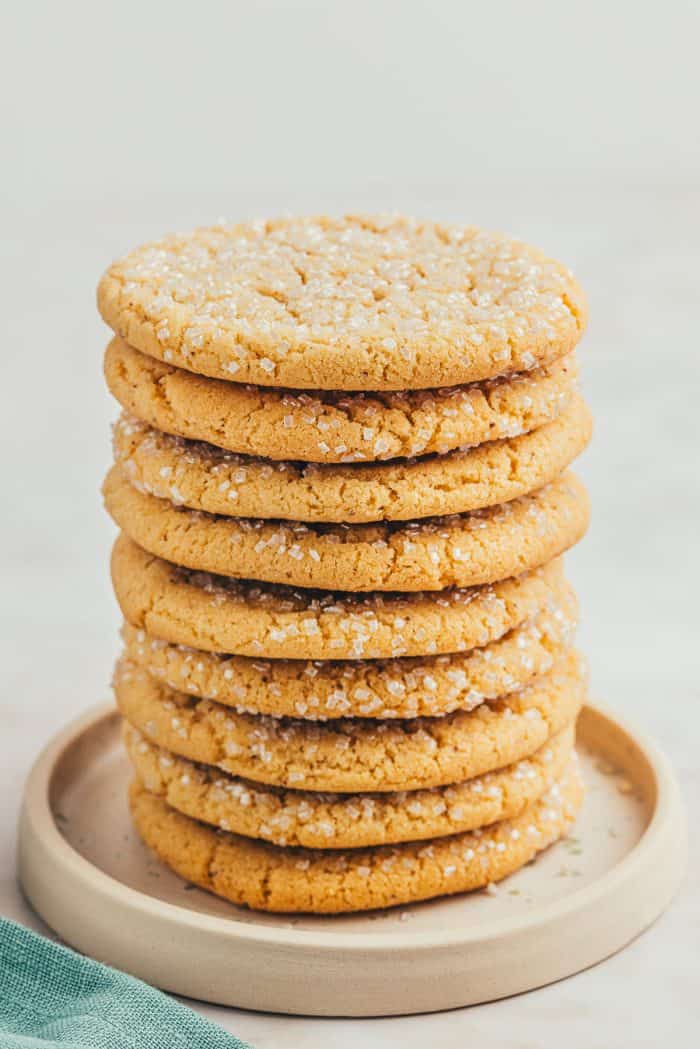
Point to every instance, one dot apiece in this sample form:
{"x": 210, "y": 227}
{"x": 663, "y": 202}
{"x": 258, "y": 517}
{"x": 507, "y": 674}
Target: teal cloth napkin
{"x": 51, "y": 996}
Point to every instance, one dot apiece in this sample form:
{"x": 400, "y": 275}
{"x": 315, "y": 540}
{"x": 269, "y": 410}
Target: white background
{"x": 573, "y": 126}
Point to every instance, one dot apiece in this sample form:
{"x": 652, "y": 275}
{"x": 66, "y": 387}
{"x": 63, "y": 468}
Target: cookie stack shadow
{"x": 348, "y": 678}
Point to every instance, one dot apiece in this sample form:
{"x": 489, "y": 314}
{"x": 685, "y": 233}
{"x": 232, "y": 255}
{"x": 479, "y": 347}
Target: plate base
{"x": 86, "y": 872}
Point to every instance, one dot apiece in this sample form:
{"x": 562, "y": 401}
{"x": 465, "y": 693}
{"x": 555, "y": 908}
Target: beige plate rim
{"x": 38, "y": 823}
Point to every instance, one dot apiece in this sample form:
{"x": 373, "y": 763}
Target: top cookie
{"x": 356, "y": 303}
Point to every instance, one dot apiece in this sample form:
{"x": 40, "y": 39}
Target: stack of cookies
{"x": 341, "y": 479}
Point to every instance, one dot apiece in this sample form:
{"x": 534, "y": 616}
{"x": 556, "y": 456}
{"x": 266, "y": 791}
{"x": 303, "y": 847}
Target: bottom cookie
{"x": 321, "y": 881}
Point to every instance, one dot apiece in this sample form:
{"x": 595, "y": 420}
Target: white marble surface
{"x": 111, "y": 146}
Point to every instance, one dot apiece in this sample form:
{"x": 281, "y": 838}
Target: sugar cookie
{"x": 219, "y": 614}
{"x": 354, "y": 303}
{"x": 330, "y": 881}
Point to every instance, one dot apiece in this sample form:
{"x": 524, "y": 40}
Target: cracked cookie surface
{"x": 335, "y": 821}
{"x": 326, "y": 881}
{"x": 353, "y": 303}
{"x": 205, "y": 478}
{"x": 466, "y": 550}
{"x": 355, "y": 754}
{"x": 220, "y": 614}
{"x": 334, "y": 427}
{"x": 393, "y": 688}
